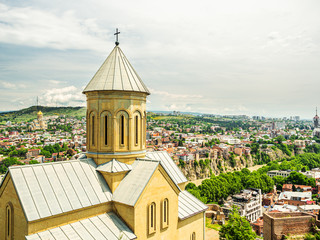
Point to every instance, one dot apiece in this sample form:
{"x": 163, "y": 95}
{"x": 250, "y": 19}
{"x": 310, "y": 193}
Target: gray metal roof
{"x": 131, "y": 187}
{"x": 116, "y": 73}
{"x": 52, "y": 188}
{"x": 171, "y": 168}
{"x": 114, "y": 166}
{"x": 189, "y": 205}
{"x": 105, "y": 227}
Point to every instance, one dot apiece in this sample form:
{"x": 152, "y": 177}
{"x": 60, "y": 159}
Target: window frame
{"x": 122, "y": 130}
{"x": 152, "y": 223}
{"x": 136, "y": 127}
{"x": 165, "y": 213}
{"x": 106, "y": 128}
{"x": 9, "y": 220}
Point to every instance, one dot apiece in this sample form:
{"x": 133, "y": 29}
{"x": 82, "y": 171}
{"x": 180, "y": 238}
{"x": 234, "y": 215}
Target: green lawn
{"x": 215, "y": 226}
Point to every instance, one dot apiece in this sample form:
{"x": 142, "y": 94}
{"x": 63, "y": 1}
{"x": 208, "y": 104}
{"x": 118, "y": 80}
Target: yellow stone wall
{"x": 156, "y": 191}
{"x": 113, "y": 104}
{"x": 8, "y": 194}
{"x": 113, "y": 179}
{"x": 192, "y": 224}
{"x": 183, "y": 185}
{"x": 160, "y": 187}
{"x": 126, "y": 213}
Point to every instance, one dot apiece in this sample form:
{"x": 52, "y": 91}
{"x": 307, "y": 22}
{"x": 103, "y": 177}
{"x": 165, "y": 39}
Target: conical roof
{"x": 116, "y": 74}
{"x": 114, "y": 166}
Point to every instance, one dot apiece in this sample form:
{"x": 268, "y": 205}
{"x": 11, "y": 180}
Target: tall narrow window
{"x": 137, "y": 129}
{"x": 152, "y": 218}
{"x": 122, "y": 129}
{"x": 152, "y": 223}
{"x": 193, "y": 236}
{"x": 144, "y": 129}
{"x": 106, "y": 130}
{"x": 165, "y": 213}
{"x": 9, "y": 222}
{"x": 92, "y": 131}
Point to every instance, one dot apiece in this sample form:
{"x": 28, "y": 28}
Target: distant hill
{"x": 31, "y": 113}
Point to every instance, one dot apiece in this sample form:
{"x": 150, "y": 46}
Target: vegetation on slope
{"x": 30, "y": 113}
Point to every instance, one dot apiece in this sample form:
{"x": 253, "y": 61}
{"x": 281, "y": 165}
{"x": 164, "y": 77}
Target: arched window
{"x": 165, "y": 213}
{"x": 122, "y": 130}
{"x": 106, "y": 130}
{"x": 92, "y": 130}
{"x": 137, "y": 129}
{"x": 9, "y": 222}
{"x": 193, "y": 236}
{"x": 152, "y": 218}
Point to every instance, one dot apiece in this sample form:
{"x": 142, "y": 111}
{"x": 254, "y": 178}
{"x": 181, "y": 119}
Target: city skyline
{"x": 227, "y": 58}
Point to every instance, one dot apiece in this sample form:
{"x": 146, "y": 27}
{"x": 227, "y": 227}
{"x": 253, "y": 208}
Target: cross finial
{"x": 116, "y": 34}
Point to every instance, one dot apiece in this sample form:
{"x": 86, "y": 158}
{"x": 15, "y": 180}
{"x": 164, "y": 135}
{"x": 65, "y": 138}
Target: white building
{"x": 296, "y": 196}
{"x": 279, "y": 173}
{"x": 309, "y": 174}
{"x": 249, "y": 202}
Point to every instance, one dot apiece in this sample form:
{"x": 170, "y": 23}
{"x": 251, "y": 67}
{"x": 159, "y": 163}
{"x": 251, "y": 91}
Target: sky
{"x": 230, "y": 57}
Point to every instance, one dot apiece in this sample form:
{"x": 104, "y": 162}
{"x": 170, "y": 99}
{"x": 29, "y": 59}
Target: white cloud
{"x": 67, "y": 96}
{"x": 174, "y": 95}
{"x": 55, "y": 82}
{"x": 39, "y": 28}
{"x": 206, "y": 57}
{"x": 7, "y": 85}
{"x": 291, "y": 44}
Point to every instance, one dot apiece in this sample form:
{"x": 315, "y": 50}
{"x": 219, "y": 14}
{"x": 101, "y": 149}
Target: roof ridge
{"x": 148, "y": 160}
{"x": 46, "y": 163}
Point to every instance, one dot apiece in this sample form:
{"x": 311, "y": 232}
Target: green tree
{"x": 237, "y": 228}
{"x": 9, "y": 162}
{"x": 309, "y": 236}
{"x": 278, "y": 181}
{"x": 46, "y": 153}
{"x": 181, "y": 163}
{"x": 280, "y": 139}
{"x": 33, "y": 162}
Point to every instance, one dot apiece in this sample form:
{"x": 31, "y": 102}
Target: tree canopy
{"x": 220, "y": 187}
{"x": 237, "y": 228}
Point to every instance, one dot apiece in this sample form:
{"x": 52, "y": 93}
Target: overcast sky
{"x": 223, "y": 57}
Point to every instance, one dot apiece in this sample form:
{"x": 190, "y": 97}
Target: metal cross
{"x": 116, "y": 34}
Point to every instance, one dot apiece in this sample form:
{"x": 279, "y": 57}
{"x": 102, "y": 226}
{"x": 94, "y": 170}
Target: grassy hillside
{"x": 31, "y": 113}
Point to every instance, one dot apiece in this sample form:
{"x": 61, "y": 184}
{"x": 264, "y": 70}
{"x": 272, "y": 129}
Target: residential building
{"x": 278, "y": 173}
{"x": 249, "y": 202}
{"x": 313, "y": 209}
{"x": 258, "y": 226}
{"x": 295, "y": 198}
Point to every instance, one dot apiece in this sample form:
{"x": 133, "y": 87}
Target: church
{"x": 38, "y": 123}
{"x": 116, "y": 190}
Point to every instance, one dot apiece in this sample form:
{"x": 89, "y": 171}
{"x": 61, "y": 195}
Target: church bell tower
{"x": 116, "y": 112}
